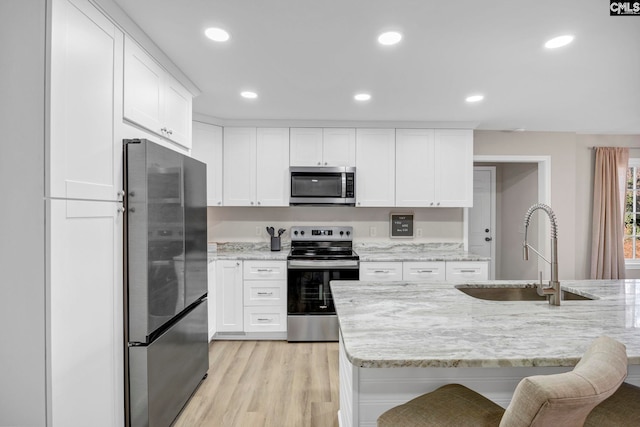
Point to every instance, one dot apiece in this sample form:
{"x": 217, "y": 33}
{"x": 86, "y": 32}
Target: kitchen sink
{"x": 514, "y": 292}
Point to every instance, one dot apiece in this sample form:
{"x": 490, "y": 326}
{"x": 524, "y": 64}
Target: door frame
{"x": 544, "y": 194}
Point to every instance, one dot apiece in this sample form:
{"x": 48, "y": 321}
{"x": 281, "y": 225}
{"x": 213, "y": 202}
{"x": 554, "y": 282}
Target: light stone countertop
{"x": 247, "y": 251}
{"x": 376, "y": 251}
{"x": 405, "y": 251}
{"x": 400, "y": 324}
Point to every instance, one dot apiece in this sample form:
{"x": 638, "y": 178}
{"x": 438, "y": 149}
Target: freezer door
{"x": 195, "y": 229}
{"x": 164, "y": 374}
{"x": 155, "y": 237}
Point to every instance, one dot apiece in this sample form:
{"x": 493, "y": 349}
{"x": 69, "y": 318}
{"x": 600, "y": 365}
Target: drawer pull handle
{"x": 265, "y": 293}
{"x": 425, "y": 271}
{"x": 468, "y": 271}
{"x": 381, "y": 271}
{"x": 264, "y": 270}
{"x": 264, "y": 319}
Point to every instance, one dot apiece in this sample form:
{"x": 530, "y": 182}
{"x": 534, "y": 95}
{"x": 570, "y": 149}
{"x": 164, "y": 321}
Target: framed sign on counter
{"x": 401, "y": 225}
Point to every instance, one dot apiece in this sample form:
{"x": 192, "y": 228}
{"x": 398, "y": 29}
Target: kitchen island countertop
{"x": 399, "y": 324}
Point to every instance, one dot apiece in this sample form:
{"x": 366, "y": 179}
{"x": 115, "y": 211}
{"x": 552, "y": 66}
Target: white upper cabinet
{"x": 415, "y": 181}
{"x": 153, "y": 98}
{"x": 177, "y": 112}
{"x": 306, "y": 147}
{"x": 339, "y": 147}
{"x": 239, "y": 175}
{"x": 272, "y": 167}
{"x": 86, "y": 91}
{"x": 454, "y": 167}
{"x": 375, "y": 167}
{"x": 323, "y": 147}
{"x": 434, "y": 168}
{"x": 207, "y": 147}
{"x": 256, "y": 171}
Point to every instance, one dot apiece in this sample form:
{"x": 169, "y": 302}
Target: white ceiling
{"x": 307, "y": 58}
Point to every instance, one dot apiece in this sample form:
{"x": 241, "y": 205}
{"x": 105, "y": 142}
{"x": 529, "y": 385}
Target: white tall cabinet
{"x": 84, "y": 219}
{"x": 375, "y": 167}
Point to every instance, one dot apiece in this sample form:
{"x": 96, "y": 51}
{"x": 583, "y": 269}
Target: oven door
{"x": 308, "y": 290}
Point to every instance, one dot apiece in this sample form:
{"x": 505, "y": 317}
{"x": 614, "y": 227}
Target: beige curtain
{"x": 607, "y": 231}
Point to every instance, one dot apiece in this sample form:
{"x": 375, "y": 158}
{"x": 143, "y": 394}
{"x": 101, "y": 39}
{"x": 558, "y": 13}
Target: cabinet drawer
{"x": 265, "y": 270}
{"x": 265, "y": 319}
{"x": 265, "y": 292}
{"x": 381, "y": 271}
{"x": 417, "y": 271}
{"x": 467, "y": 271}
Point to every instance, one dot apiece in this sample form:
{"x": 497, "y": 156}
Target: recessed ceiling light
{"x": 560, "y": 41}
{"x": 217, "y": 34}
{"x": 474, "y": 98}
{"x": 389, "y": 38}
{"x": 362, "y": 97}
{"x": 248, "y": 94}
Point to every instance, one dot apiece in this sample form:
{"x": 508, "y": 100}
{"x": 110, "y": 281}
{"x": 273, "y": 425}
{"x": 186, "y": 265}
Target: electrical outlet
{"x": 372, "y": 232}
{"x": 258, "y": 231}
{"x": 419, "y": 232}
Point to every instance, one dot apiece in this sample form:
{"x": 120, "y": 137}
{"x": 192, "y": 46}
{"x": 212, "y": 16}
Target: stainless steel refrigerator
{"x": 166, "y": 355}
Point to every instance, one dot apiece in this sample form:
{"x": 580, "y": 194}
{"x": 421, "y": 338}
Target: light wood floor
{"x": 267, "y": 383}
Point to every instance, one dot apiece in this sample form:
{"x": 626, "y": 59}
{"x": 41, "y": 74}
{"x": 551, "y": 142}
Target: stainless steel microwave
{"x": 323, "y": 186}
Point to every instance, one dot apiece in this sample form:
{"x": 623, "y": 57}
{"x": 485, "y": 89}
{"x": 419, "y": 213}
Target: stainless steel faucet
{"x": 554, "y": 285}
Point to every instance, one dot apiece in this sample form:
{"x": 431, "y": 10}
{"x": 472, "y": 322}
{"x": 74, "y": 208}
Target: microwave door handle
{"x": 344, "y": 184}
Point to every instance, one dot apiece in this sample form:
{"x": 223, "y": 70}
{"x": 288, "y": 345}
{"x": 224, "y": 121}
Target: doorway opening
{"x": 520, "y": 181}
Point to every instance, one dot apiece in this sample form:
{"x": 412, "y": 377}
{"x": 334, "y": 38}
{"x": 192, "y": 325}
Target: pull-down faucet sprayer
{"x": 554, "y": 285}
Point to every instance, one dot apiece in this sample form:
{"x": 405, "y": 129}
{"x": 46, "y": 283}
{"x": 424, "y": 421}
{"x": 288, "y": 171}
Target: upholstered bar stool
{"x": 539, "y": 401}
{"x": 622, "y": 409}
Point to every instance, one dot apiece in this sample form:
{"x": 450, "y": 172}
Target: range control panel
{"x": 321, "y": 233}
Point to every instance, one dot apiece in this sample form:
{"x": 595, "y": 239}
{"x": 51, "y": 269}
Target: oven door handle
{"x": 322, "y": 264}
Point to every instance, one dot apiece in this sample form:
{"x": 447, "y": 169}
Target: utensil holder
{"x": 275, "y": 243}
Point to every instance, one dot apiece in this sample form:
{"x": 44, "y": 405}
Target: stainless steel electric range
{"x": 319, "y": 254}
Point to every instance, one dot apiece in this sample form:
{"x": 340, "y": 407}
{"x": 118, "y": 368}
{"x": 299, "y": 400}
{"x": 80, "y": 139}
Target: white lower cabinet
{"x": 467, "y": 271}
{"x": 251, "y": 298}
{"x": 380, "y": 271}
{"x": 265, "y": 296}
{"x": 229, "y": 316}
{"x": 211, "y": 296}
{"x": 265, "y": 319}
{"x": 415, "y": 271}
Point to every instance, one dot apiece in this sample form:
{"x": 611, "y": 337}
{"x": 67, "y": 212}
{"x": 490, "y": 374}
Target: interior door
{"x": 482, "y": 215}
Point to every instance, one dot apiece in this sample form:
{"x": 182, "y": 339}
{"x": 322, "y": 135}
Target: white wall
{"x": 22, "y": 217}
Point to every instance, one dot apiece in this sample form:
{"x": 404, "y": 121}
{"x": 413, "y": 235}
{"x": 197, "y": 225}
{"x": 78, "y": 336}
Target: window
{"x": 632, "y": 213}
